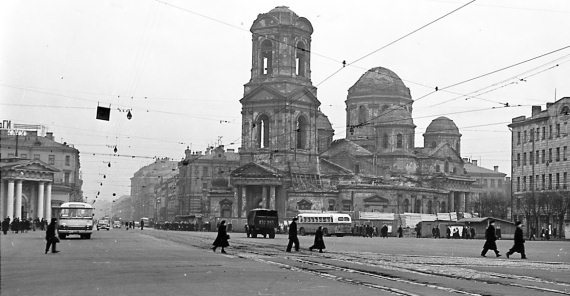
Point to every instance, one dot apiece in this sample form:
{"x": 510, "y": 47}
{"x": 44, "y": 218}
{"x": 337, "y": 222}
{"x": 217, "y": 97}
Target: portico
{"x": 26, "y": 188}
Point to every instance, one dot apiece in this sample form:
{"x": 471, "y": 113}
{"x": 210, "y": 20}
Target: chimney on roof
{"x": 188, "y": 152}
{"x": 496, "y": 169}
{"x": 474, "y": 162}
{"x": 536, "y": 110}
{"x": 49, "y": 135}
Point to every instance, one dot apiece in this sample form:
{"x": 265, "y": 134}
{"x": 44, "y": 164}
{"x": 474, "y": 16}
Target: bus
{"x": 333, "y": 223}
{"x": 75, "y": 218}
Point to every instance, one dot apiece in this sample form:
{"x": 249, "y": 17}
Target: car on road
{"x": 116, "y": 224}
{"x": 262, "y": 222}
{"x": 103, "y": 224}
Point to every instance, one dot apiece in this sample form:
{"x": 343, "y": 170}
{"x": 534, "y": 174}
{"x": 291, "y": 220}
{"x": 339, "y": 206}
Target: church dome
{"x": 396, "y": 115}
{"x": 281, "y": 16}
{"x": 442, "y": 125}
{"x": 380, "y": 82}
{"x": 323, "y": 122}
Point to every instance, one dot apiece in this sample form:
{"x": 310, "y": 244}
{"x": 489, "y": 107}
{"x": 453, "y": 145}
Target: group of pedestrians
{"x": 491, "y": 238}
{"x": 22, "y": 225}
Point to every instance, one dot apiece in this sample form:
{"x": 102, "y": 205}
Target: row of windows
{"x": 51, "y": 158}
{"x": 543, "y": 182}
{"x": 537, "y": 134}
{"x": 262, "y": 126}
{"x": 491, "y": 183}
{"x": 267, "y": 58}
{"x": 541, "y": 154}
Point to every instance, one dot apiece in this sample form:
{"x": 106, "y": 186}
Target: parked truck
{"x": 262, "y": 222}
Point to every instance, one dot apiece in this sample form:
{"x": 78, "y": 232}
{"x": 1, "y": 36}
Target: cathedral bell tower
{"x": 280, "y": 105}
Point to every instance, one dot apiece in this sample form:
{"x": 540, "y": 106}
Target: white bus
{"x": 333, "y": 223}
{"x": 75, "y": 218}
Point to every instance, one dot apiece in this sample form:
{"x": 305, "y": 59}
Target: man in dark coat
{"x": 142, "y": 224}
{"x": 490, "y": 238}
{"x": 293, "y": 239}
{"x": 6, "y": 225}
{"x": 319, "y": 241}
{"x": 400, "y": 231}
{"x": 222, "y": 238}
{"x": 51, "y": 239}
{"x": 384, "y": 231}
{"x": 519, "y": 242}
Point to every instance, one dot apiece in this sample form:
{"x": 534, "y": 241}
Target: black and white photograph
{"x": 284, "y": 147}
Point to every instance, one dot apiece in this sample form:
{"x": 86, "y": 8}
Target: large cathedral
{"x": 290, "y": 162}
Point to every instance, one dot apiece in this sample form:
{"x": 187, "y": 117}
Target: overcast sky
{"x": 180, "y": 66}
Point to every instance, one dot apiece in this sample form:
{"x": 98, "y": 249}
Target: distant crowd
{"x": 23, "y": 225}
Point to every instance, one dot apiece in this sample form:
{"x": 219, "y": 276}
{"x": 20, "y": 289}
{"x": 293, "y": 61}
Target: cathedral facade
{"x": 289, "y": 161}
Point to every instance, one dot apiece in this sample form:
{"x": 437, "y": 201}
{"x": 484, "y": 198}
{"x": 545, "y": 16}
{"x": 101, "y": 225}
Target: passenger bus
{"x": 333, "y": 223}
{"x": 75, "y": 218}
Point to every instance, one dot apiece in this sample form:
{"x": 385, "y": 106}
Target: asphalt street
{"x": 157, "y": 262}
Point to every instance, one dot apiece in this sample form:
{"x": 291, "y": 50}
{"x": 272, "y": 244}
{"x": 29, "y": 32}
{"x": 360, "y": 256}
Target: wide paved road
{"x": 154, "y": 262}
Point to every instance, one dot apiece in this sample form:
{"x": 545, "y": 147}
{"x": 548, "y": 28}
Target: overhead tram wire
{"x": 395, "y": 41}
{"x": 465, "y": 81}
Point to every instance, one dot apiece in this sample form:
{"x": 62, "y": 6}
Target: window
{"x": 492, "y": 183}
{"x": 399, "y": 139}
{"x": 531, "y": 135}
{"x": 385, "y": 141}
{"x": 537, "y": 182}
{"x": 302, "y": 132}
{"x": 332, "y": 204}
{"x": 565, "y": 110}
{"x": 564, "y": 151}
{"x": 486, "y": 182}
{"x": 266, "y": 57}
{"x": 550, "y": 131}
{"x": 518, "y": 183}
{"x": 537, "y": 134}
{"x": 543, "y": 132}
{"x": 518, "y": 138}
{"x": 558, "y": 130}
{"x": 530, "y": 158}
{"x": 300, "y": 59}
{"x": 524, "y": 183}
{"x": 537, "y": 156}
{"x": 549, "y": 181}
{"x": 557, "y": 180}
{"x": 549, "y": 154}
{"x": 565, "y": 181}
{"x": 66, "y": 178}
{"x": 67, "y": 160}
{"x": 500, "y": 183}
{"x": 37, "y": 156}
{"x": 362, "y": 114}
{"x": 530, "y": 182}
{"x": 543, "y": 181}
{"x": 437, "y": 169}
{"x": 51, "y": 159}
{"x": 346, "y": 205}
{"x": 543, "y": 156}
{"x": 446, "y": 167}
{"x": 524, "y": 158}
{"x": 357, "y": 169}
{"x": 518, "y": 159}
{"x": 262, "y": 129}
{"x": 557, "y": 153}
{"x": 524, "y": 137}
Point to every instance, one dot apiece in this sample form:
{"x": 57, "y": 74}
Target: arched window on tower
{"x": 266, "y": 57}
{"x": 385, "y": 141}
{"x": 362, "y": 118}
{"x": 302, "y": 128}
{"x": 446, "y": 167}
{"x": 399, "y": 139}
{"x": 300, "y": 59}
{"x": 262, "y": 126}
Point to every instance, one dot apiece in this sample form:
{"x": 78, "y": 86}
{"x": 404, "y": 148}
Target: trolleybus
{"x": 75, "y": 218}
{"x": 333, "y": 223}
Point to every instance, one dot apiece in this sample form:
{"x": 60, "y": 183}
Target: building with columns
{"x": 37, "y": 174}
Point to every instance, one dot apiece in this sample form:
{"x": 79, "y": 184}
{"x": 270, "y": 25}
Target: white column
{"x": 264, "y": 196}
{"x": 461, "y": 202}
{"x": 10, "y": 203}
{"x": 18, "y": 209}
{"x": 2, "y": 200}
{"x": 40, "y": 211}
{"x": 48, "y": 202}
{"x": 272, "y": 198}
{"x": 451, "y": 203}
{"x": 243, "y": 201}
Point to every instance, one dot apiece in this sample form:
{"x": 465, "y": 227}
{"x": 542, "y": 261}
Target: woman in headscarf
{"x": 222, "y": 238}
{"x": 319, "y": 242}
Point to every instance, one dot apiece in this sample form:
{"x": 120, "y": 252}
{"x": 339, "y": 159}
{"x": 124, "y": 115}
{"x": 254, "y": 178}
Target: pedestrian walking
{"x": 490, "y": 238}
{"x": 222, "y": 238}
{"x": 51, "y": 238}
{"x": 472, "y": 232}
{"x": 293, "y": 239}
{"x": 142, "y": 224}
{"x": 384, "y": 231}
{"x": 319, "y": 241}
{"x": 519, "y": 242}
{"x": 400, "y": 231}
{"x": 5, "y": 225}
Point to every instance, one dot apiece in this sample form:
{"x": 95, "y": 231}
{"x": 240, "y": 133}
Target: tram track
{"x": 397, "y": 275}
